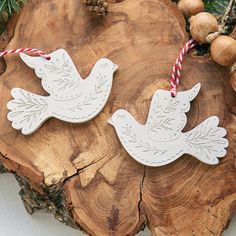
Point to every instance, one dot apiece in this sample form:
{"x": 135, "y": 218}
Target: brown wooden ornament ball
{"x": 201, "y": 25}
{"x": 190, "y": 7}
{"x": 223, "y": 50}
{"x": 233, "y": 81}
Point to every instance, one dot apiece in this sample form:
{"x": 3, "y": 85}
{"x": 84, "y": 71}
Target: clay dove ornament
{"x": 161, "y": 140}
{"x": 71, "y": 98}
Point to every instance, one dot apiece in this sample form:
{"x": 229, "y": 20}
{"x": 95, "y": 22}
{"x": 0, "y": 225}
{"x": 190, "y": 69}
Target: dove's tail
{"x": 206, "y": 142}
{"x": 27, "y": 110}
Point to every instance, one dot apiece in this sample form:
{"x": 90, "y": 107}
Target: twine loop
{"x": 175, "y": 76}
{"x": 28, "y": 50}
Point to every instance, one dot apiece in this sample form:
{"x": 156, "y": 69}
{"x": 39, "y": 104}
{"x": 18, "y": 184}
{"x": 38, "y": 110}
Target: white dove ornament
{"x": 70, "y": 99}
{"x": 161, "y": 140}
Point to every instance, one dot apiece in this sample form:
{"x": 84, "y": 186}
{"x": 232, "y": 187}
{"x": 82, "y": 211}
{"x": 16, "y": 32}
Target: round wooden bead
{"x": 190, "y": 7}
{"x": 201, "y": 25}
{"x": 223, "y": 50}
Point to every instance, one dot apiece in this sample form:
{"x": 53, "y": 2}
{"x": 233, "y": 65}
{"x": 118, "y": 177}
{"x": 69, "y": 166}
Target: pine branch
{"x": 225, "y": 10}
{"x": 8, "y": 7}
{"x": 216, "y": 7}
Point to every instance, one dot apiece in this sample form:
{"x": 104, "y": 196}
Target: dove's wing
{"x": 167, "y": 114}
{"x": 59, "y": 75}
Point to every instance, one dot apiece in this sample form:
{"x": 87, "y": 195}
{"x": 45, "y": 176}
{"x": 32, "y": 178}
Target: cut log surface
{"x": 80, "y": 172}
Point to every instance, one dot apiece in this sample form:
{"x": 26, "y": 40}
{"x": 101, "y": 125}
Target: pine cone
{"x": 98, "y": 7}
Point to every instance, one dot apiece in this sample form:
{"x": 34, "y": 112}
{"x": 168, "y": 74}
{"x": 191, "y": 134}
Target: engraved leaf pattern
{"x": 159, "y": 116}
{"x": 93, "y": 95}
{"x": 139, "y": 143}
{"x": 66, "y": 75}
{"x": 35, "y": 107}
{"x": 206, "y": 137}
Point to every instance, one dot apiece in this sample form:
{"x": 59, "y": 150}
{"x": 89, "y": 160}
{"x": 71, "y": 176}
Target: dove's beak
{"x": 110, "y": 121}
{"x": 115, "y": 67}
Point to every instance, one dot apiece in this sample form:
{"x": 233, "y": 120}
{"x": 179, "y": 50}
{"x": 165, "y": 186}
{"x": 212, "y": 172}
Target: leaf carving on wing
{"x": 66, "y": 75}
{"x": 206, "y": 138}
{"x": 35, "y": 107}
{"x": 158, "y": 121}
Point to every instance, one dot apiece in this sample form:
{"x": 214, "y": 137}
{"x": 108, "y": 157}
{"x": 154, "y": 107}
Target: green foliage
{"x": 8, "y": 7}
{"x": 216, "y": 7}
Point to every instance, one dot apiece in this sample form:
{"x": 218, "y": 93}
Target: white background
{"x": 14, "y": 220}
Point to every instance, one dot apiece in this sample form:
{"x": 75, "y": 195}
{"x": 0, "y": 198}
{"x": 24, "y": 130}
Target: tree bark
{"x": 80, "y": 172}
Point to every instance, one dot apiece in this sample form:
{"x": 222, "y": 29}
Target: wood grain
{"x": 104, "y": 190}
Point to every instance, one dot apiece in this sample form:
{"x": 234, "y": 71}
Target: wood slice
{"x": 80, "y": 172}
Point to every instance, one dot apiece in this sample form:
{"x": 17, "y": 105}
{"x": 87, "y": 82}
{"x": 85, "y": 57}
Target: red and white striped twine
{"x": 175, "y": 76}
{"x": 29, "y": 50}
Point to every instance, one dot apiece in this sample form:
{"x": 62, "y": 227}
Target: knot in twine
{"x": 212, "y": 36}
